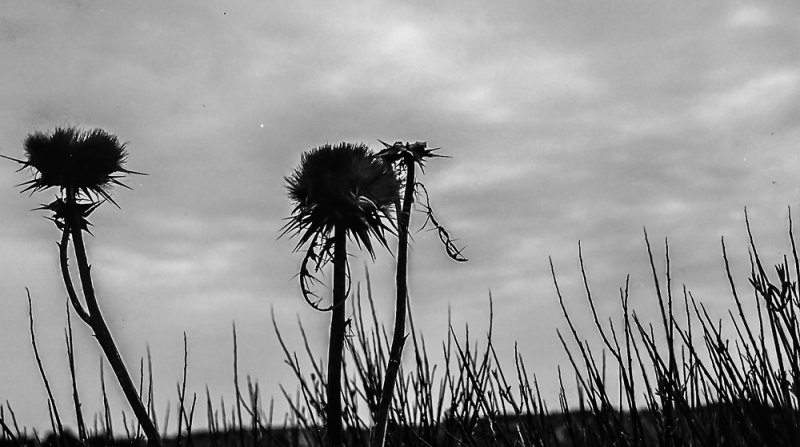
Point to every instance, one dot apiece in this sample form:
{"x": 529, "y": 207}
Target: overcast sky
{"x": 565, "y": 121}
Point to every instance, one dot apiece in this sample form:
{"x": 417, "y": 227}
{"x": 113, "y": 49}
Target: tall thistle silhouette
{"x": 405, "y": 157}
{"x": 339, "y": 192}
{"x": 83, "y": 166}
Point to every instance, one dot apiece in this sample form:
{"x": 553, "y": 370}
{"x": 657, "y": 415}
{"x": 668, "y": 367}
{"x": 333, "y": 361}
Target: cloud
{"x": 760, "y": 99}
{"x": 564, "y": 123}
{"x": 750, "y": 16}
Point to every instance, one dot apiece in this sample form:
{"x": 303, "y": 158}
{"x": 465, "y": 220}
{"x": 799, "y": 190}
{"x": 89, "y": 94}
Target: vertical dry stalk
{"x": 50, "y": 400}
{"x": 405, "y": 157}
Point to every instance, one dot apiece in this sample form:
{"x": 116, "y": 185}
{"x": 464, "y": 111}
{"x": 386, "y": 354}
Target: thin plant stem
{"x": 50, "y": 398}
{"x": 74, "y": 382}
{"x": 236, "y": 388}
{"x": 401, "y": 285}
{"x": 98, "y": 324}
{"x": 335, "y": 432}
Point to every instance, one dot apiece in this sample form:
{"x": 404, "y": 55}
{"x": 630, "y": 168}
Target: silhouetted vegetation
{"x": 687, "y": 378}
{"x": 405, "y": 157}
{"x": 82, "y": 166}
{"x": 339, "y": 192}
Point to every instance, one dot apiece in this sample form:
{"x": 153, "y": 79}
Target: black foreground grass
{"x": 681, "y": 380}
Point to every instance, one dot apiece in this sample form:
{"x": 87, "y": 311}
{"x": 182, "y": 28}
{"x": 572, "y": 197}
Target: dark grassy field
{"x": 677, "y": 381}
{"x": 678, "y": 384}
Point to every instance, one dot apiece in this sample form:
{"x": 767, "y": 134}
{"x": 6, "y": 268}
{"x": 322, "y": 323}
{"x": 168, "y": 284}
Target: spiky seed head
{"x": 342, "y": 185}
{"x": 407, "y": 153}
{"x": 86, "y": 161}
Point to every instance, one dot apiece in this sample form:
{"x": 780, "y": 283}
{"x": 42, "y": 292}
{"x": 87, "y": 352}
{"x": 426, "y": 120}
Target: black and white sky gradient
{"x": 565, "y": 121}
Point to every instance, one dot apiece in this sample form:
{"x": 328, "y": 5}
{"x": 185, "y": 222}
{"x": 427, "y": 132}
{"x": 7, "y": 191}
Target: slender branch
{"x": 7, "y": 431}
{"x": 106, "y": 407}
{"x": 98, "y": 324}
{"x": 63, "y": 256}
{"x": 75, "y": 396}
{"x": 182, "y": 392}
{"x": 236, "y": 387}
{"x": 335, "y": 433}
{"x": 401, "y": 285}
{"x": 41, "y": 368}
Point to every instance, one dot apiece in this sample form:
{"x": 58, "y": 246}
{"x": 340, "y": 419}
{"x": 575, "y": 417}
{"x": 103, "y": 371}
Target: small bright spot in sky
{"x": 262, "y": 126}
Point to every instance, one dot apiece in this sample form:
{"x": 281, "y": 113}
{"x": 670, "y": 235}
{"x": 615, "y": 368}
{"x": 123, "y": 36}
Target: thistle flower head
{"x": 341, "y": 185}
{"x": 85, "y": 162}
{"x": 407, "y": 153}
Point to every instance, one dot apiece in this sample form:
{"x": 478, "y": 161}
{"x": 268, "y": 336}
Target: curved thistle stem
{"x": 453, "y": 252}
{"x": 64, "y": 258}
{"x": 399, "y": 335}
{"x": 320, "y": 259}
{"x": 335, "y": 432}
{"x": 95, "y": 319}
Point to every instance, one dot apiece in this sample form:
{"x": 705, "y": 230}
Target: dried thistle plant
{"x": 83, "y": 165}
{"x": 339, "y": 191}
{"x": 405, "y": 157}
